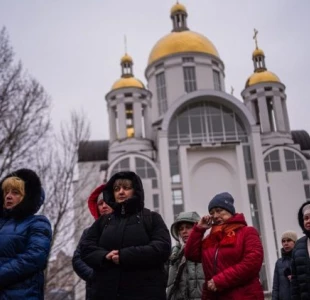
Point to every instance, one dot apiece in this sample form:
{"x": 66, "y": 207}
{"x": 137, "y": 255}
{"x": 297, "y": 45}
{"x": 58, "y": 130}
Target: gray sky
{"x": 73, "y": 47}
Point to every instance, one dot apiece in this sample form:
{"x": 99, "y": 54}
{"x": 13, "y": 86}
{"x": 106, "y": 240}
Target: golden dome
{"x": 264, "y": 76}
{"x": 126, "y": 58}
{"x": 177, "y": 7}
{"x": 127, "y": 82}
{"x": 258, "y": 52}
{"x": 179, "y": 42}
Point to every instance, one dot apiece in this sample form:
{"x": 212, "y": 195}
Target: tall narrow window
{"x": 143, "y": 121}
{"x": 161, "y": 93}
{"x": 248, "y": 162}
{"x": 307, "y": 191}
{"x": 286, "y": 118}
{"x": 189, "y": 79}
{"x": 156, "y": 202}
{"x": 129, "y": 120}
{"x": 217, "y": 80}
{"x": 177, "y": 200}
{"x": 256, "y": 111}
{"x": 271, "y": 115}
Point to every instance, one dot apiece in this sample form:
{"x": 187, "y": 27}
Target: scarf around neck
{"x": 223, "y": 235}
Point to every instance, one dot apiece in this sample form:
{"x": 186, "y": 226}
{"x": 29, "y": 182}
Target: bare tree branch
{"x": 24, "y": 111}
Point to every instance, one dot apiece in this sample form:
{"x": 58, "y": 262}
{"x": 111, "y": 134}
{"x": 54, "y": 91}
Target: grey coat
{"x": 190, "y": 283}
{"x": 186, "y": 278}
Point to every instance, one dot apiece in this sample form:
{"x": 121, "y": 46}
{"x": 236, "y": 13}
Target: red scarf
{"x": 222, "y": 235}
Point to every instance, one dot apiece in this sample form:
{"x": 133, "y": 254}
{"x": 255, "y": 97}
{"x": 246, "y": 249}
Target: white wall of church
{"x": 287, "y": 195}
{"x": 208, "y": 171}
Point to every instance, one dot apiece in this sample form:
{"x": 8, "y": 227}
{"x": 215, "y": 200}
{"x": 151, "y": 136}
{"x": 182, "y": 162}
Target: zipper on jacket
{"x": 215, "y": 261}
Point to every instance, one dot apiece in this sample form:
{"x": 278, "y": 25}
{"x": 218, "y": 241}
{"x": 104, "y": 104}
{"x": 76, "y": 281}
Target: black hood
{"x": 130, "y": 206}
{"x": 34, "y": 194}
{"x": 301, "y": 219}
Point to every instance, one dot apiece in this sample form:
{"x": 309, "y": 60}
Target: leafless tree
{"x": 56, "y": 165}
{"x": 24, "y": 111}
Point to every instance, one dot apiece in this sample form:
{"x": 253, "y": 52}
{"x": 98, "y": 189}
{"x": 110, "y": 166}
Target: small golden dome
{"x": 179, "y": 42}
{"x": 259, "y": 77}
{"x": 127, "y": 82}
{"x": 126, "y": 58}
{"x": 258, "y": 52}
{"x": 178, "y": 7}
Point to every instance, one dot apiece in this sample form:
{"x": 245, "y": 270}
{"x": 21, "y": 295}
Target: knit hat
{"x": 291, "y": 235}
{"x": 223, "y": 200}
{"x": 306, "y": 209}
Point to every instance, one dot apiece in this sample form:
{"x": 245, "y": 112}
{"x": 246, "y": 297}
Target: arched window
{"x": 272, "y": 162}
{"x": 123, "y": 165}
{"x": 206, "y": 122}
{"x": 144, "y": 168}
{"x": 295, "y": 163}
{"x": 202, "y": 122}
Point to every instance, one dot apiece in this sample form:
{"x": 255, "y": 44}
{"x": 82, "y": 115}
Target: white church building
{"x": 188, "y": 139}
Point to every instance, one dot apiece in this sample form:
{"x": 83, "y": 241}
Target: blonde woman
{"x": 25, "y": 238}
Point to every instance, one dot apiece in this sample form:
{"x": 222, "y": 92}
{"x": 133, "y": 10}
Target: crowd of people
{"x": 127, "y": 253}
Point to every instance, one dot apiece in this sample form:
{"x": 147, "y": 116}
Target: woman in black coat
{"x": 281, "y": 289}
{"x": 97, "y": 208}
{"x": 127, "y": 257}
{"x": 300, "y": 257}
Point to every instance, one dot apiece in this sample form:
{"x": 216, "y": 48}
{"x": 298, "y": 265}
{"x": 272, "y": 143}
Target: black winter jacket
{"x": 281, "y": 289}
{"x": 301, "y": 263}
{"x": 81, "y": 268}
{"x": 140, "y": 274}
{"x": 301, "y": 270}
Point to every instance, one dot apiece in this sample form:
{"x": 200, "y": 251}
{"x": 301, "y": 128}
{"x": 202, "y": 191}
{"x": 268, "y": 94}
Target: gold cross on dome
{"x": 125, "y": 43}
{"x": 255, "y": 37}
{"x": 232, "y": 90}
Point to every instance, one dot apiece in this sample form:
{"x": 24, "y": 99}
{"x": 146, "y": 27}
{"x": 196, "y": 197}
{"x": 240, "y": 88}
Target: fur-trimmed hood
{"x": 130, "y": 206}
{"x": 34, "y": 194}
{"x": 301, "y": 217}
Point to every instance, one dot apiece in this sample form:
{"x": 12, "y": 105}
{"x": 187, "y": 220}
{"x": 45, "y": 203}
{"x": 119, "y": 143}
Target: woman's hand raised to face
{"x": 205, "y": 222}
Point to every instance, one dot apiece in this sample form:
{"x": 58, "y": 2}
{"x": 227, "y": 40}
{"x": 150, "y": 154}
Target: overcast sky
{"x": 73, "y": 47}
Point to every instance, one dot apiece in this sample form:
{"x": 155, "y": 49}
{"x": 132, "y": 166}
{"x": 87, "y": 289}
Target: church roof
{"x": 93, "y": 151}
{"x": 302, "y": 138}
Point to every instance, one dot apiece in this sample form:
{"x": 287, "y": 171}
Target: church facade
{"x": 188, "y": 139}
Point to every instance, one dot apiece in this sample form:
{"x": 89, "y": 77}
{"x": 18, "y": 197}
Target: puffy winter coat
{"x": 79, "y": 266}
{"x": 233, "y": 262}
{"x": 300, "y": 284}
{"x": 186, "y": 278}
{"x": 281, "y": 289}
{"x": 140, "y": 272}
{"x": 25, "y": 241}
{"x": 191, "y": 281}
